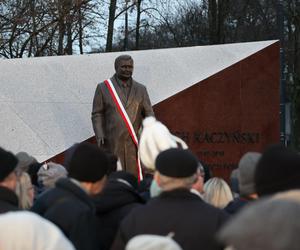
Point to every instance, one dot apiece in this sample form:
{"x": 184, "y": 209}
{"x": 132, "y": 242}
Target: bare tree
{"x": 111, "y": 21}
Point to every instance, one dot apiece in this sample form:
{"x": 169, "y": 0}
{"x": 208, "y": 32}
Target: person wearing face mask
{"x": 119, "y": 106}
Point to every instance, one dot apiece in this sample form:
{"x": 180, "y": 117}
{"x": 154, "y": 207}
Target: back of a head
{"x": 265, "y": 224}
{"x": 234, "y": 182}
{"x": 246, "y": 172}
{"x": 25, "y": 160}
{"x": 24, "y": 191}
{"x": 217, "y": 192}
{"x": 152, "y": 242}
{"x": 33, "y": 172}
{"x": 277, "y": 170}
{"x": 292, "y": 195}
{"x": 155, "y": 138}
{"x": 26, "y": 230}
{"x": 8, "y": 163}
{"x": 88, "y": 163}
{"x": 125, "y": 177}
{"x": 49, "y": 173}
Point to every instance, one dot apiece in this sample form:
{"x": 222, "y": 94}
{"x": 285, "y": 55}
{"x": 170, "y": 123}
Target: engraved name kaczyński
{"x": 236, "y": 137}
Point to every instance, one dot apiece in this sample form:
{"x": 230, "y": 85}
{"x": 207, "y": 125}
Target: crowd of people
{"x": 88, "y": 204}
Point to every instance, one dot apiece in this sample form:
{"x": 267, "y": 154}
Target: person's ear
{"x": 156, "y": 177}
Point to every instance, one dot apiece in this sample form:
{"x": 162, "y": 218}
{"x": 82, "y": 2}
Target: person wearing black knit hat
{"x": 277, "y": 170}
{"x": 69, "y": 204}
{"x": 8, "y": 181}
{"x": 245, "y": 176}
{"x": 116, "y": 201}
{"x": 177, "y": 210}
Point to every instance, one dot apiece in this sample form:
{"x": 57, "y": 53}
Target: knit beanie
{"x": 156, "y": 137}
{"x": 25, "y": 160}
{"x": 246, "y": 171}
{"x": 177, "y": 162}
{"x": 88, "y": 163}
{"x": 277, "y": 170}
{"x": 8, "y": 163}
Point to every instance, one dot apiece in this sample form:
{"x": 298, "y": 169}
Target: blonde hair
{"x": 23, "y": 188}
{"x": 217, "y": 192}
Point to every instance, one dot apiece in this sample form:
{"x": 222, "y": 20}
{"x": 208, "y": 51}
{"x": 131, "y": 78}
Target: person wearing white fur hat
{"x": 155, "y": 138}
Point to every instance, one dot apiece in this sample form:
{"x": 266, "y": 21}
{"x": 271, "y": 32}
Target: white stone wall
{"x": 45, "y": 103}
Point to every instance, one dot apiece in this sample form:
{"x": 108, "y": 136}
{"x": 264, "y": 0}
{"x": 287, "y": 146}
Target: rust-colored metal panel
{"x": 230, "y": 113}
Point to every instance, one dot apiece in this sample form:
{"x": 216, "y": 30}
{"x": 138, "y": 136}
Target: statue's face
{"x": 124, "y": 69}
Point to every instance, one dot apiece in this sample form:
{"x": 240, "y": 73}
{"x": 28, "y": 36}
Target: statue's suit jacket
{"x": 108, "y": 123}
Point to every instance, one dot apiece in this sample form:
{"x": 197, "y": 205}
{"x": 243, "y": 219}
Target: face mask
{"x": 155, "y": 190}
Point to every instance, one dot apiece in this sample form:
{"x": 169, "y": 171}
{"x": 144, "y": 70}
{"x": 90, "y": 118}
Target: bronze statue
{"x": 108, "y": 124}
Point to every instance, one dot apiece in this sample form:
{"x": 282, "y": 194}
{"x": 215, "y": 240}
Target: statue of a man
{"x": 109, "y": 125}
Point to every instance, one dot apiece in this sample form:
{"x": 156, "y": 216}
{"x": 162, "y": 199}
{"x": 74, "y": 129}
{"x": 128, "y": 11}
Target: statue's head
{"x": 124, "y": 67}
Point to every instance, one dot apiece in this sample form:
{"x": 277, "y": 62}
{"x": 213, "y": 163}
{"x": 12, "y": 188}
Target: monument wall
{"x": 229, "y": 113}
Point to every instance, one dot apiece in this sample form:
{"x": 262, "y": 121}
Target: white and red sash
{"x": 127, "y": 121}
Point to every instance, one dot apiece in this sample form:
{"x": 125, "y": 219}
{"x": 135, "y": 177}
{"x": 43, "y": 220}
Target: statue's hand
{"x": 100, "y": 142}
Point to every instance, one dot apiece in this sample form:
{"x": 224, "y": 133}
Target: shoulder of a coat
{"x": 101, "y": 85}
{"x": 139, "y": 85}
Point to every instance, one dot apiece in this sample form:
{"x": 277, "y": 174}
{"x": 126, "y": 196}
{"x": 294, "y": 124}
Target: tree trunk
{"x": 297, "y": 74}
{"x": 33, "y": 41}
{"x": 61, "y": 28}
{"x": 80, "y": 31}
{"x": 223, "y": 6}
{"x": 110, "y": 29}
{"x": 69, "y": 21}
{"x": 138, "y": 22}
{"x": 212, "y": 20}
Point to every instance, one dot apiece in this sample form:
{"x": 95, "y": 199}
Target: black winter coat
{"x": 72, "y": 210}
{"x": 112, "y": 205}
{"x": 236, "y": 205}
{"x": 8, "y": 200}
{"x": 193, "y": 222}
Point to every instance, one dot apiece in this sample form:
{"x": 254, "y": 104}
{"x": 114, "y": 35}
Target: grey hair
{"x": 169, "y": 183}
